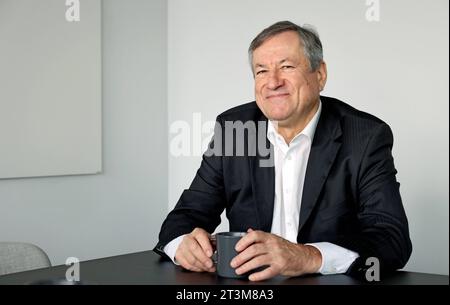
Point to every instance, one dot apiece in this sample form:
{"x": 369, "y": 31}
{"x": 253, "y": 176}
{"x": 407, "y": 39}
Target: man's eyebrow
{"x": 285, "y": 60}
{"x": 260, "y": 66}
{"x": 280, "y": 62}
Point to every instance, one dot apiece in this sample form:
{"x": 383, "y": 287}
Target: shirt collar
{"x": 308, "y": 131}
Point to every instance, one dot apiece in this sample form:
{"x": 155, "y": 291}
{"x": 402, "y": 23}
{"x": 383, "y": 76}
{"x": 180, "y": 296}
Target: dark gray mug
{"x": 225, "y": 252}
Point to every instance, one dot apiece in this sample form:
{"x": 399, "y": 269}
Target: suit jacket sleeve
{"x": 383, "y": 224}
{"x": 202, "y": 204}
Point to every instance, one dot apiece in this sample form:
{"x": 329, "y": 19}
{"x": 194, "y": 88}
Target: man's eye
{"x": 261, "y": 72}
{"x": 287, "y": 67}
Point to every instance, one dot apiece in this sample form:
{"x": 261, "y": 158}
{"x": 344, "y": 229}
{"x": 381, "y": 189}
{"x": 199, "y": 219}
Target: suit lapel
{"x": 263, "y": 183}
{"x": 324, "y": 149}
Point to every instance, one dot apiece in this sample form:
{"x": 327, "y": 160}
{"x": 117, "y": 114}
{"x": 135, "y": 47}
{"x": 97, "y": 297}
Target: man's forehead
{"x": 278, "y": 45}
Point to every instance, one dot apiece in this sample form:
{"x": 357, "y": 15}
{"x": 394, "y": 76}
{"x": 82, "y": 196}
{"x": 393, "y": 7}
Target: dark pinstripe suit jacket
{"x": 350, "y": 197}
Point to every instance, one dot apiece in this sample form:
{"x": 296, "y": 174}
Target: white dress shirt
{"x": 290, "y": 169}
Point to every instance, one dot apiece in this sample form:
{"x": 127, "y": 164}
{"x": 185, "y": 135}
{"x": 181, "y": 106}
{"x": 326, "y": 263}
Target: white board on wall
{"x": 50, "y": 88}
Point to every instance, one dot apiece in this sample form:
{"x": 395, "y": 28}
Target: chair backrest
{"x": 17, "y": 257}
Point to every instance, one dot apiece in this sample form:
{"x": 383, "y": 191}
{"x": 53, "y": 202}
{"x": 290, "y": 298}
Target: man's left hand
{"x": 258, "y": 248}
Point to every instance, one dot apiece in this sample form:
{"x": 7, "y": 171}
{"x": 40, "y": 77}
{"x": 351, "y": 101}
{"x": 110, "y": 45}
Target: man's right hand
{"x": 195, "y": 251}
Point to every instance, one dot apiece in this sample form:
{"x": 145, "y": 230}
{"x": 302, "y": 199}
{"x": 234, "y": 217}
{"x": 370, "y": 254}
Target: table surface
{"x": 149, "y": 269}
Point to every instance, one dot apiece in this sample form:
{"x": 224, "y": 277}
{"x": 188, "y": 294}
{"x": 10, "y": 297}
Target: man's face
{"x": 285, "y": 88}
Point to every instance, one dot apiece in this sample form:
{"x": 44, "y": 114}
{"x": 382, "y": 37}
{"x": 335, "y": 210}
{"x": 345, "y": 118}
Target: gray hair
{"x": 312, "y": 47}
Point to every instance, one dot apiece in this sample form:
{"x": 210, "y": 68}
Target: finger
{"x": 265, "y": 274}
{"x": 247, "y": 254}
{"x": 191, "y": 263}
{"x": 250, "y": 238}
{"x": 197, "y": 251}
{"x": 256, "y": 262}
{"x": 212, "y": 269}
{"x": 186, "y": 265}
{"x": 204, "y": 242}
{"x": 195, "y": 262}
{"x": 186, "y": 257}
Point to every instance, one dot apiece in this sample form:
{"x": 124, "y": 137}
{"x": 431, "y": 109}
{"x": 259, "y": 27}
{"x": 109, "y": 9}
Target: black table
{"x": 147, "y": 268}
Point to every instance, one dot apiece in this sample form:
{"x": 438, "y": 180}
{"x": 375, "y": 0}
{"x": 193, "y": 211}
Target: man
{"x": 330, "y": 201}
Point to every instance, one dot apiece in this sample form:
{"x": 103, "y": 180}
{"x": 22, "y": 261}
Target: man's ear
{"x": 322, "y": 75}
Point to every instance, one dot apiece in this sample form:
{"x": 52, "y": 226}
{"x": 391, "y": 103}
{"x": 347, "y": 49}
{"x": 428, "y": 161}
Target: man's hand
{"x": 282, "y": 257}
{"x": 195, "y": 251}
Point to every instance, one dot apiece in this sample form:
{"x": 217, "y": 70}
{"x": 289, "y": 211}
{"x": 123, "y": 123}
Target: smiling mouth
{"x": 275, "y": 96}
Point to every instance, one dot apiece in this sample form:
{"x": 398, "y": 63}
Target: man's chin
{"x": 277, "y": 117}
{"x": 275, "y": 113}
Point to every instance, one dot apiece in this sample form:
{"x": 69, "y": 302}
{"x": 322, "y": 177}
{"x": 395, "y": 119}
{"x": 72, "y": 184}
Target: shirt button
{"x": 289, "y": 157}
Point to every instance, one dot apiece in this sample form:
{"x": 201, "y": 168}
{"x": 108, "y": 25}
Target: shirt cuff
{"x": 335, "y": 259}
{"x": 171, "y": 248}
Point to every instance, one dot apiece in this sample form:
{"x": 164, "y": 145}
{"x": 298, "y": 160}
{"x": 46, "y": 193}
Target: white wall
{"x": 120, "y": 210}
{"x": 396, "y": 68}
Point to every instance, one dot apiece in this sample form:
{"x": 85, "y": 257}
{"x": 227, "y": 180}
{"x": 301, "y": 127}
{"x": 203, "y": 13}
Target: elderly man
{"x": 329, "y": 202}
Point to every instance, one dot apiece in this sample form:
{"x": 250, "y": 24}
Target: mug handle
{"x": 215, "y": 255}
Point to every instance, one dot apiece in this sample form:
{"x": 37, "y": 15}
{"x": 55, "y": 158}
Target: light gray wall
{"x": 53, "y": 127}
{"x": 396, "y": 68}
{"x": 120, "y": 210}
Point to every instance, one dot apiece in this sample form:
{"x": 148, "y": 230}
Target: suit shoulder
{"x": 350, "y": 115}
{"x": 357, "y": 127}
{"x": 248, "y": 111}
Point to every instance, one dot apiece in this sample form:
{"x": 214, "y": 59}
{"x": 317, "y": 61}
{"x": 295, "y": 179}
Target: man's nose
{"x": 275, "y": 81}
